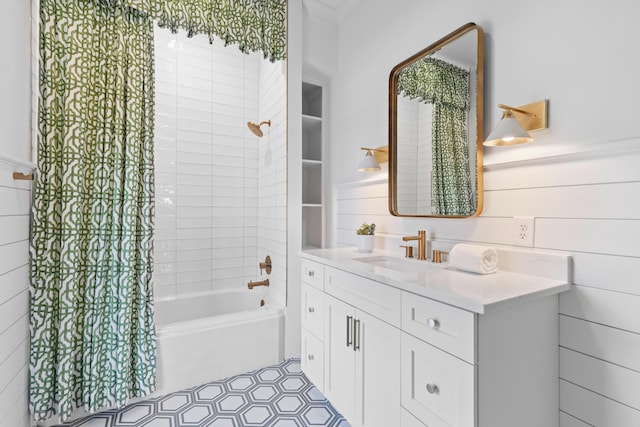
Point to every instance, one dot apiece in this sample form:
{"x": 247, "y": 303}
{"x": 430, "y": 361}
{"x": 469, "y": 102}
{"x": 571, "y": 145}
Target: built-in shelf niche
{"x": 313, "y": 212}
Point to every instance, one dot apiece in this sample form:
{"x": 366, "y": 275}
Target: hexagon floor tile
{"x": 275, "y": 396}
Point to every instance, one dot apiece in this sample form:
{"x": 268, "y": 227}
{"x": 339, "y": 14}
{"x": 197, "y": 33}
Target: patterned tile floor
{"x": 276, "y": 396}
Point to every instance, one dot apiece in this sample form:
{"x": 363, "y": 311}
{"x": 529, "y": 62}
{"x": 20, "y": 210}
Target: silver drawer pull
{"x": 433, "y": 389}
{"x": 311, "y": 273}
{"x": 310, "y": 357}
{"x": 312, "y": 310}
{"x": 433, "y": 323}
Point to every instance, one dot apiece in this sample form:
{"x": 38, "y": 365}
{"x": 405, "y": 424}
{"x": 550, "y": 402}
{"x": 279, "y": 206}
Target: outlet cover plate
{"x": 523, "y": 230}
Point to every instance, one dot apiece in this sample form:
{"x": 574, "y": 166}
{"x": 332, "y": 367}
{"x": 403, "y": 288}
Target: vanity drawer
{"x": 312, "y": 273}
{"x": 438, "y": 388}
{"x": 312, "y": 359}
{"x": 379, "y": 300}
{"x": 312, "y": 310}
{"x": 444, "y": 326}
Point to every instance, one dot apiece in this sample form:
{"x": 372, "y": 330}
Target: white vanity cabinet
{"x": 435, "y": 349}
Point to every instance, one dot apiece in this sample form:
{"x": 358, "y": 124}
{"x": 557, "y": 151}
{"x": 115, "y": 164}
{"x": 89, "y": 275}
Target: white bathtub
{"x": 210, "y": 336}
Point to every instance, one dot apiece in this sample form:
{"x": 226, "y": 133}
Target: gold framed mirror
{"x": 436, "y": 109}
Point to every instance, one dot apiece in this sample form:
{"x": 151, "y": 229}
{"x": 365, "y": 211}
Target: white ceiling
{"x": 330, "y": 11}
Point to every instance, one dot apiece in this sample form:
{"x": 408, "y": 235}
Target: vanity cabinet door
{"x": 312, "y": 360}
{"x": 339, "y": 356}
{"x": 362, "y": 366}
{"x": 438, "y": 388}
{"x": 377, "y": 373}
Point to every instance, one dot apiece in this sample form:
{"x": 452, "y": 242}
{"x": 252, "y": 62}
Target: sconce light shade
{"x": 508, "y": 131}
{"x": 369, "y": 163}
{"x": 516, "y": 123}
{"x": 373, "y": 158}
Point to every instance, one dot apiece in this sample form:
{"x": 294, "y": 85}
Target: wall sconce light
{"x": 373, "y": 158}
{"x": 516, "y": 123}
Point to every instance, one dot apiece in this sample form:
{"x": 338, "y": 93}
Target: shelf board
{"x": 310, "y": 247}
{"x": 311, "y": 122}
{"x": 312, "y": 205}
{"x": 311, "y": 162}
{"x": 311, "y": 118}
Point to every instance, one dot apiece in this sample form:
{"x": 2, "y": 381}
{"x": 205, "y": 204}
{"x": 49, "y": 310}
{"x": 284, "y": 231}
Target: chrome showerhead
{"x": 255, "y": 127}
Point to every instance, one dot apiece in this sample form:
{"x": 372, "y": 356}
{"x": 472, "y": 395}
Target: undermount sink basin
{"x": 397, "y": 264}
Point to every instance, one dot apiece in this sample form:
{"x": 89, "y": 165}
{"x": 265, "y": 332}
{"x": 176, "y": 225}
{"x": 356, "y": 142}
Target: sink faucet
{"x": 422, "y": 243}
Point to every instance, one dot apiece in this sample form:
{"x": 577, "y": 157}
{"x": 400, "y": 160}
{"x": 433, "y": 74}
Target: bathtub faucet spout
{"x": 252, "y": 285}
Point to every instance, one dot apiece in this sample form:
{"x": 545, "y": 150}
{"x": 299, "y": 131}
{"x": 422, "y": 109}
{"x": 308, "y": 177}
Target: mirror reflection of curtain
{"x": 446, "y": 86}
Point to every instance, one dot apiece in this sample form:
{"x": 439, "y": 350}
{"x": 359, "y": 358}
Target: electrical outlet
{"x": 523, "y": 230}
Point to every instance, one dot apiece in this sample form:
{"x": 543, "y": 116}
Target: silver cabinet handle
{"x": 312, "y": 310}
{"x": 432, "y": 388}
{"x": 349, "y": 337}
{"x": 356, "y": 334}
{"x": 310, "y": 357}
{"x": 433, "y": 323}
{"x": 311, "y": 273}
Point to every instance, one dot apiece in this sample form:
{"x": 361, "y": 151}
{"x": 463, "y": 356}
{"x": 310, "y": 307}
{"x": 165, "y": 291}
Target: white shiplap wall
{"x": 586, "y": 204}
{"x": 14, "y": 296}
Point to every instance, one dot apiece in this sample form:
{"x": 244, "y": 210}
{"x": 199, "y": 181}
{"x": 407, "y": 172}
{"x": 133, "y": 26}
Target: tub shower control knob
{"x": 433, "y": 323}
{"x": 266, "y": 265}
{"x": 432, "y": 388}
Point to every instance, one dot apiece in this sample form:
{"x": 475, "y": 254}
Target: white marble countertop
{"x": 522, "y": 276}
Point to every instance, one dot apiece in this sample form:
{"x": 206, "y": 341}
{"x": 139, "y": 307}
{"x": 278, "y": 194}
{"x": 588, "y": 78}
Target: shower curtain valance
{"x": 254, "y": 25}
{"x": 434, "y": 81}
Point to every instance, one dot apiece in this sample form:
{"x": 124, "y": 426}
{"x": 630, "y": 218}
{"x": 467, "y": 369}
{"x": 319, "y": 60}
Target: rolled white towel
{"x": 473, "y": 258}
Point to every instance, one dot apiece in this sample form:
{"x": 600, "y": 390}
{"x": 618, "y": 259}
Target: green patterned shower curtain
{"x": 251, "y": 25}
{"x": 92, "y": 330}
{"x": 446, "y": 86}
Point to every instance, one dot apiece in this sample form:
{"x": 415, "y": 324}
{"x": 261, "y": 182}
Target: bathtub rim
{"x": 265, "y": 312}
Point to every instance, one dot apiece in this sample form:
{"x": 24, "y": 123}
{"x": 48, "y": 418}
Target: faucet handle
{"x": 408, "y": 251}
{"x": 437, "y": 255}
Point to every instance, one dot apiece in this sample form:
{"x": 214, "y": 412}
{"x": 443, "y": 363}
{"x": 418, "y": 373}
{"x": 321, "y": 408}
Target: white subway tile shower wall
{"x": 209, "y": 167}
